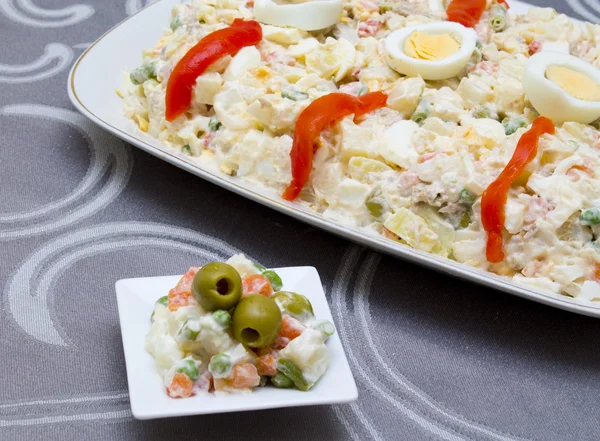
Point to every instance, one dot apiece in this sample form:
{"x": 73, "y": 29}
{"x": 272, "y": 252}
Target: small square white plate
{"x": 136, "y": 297}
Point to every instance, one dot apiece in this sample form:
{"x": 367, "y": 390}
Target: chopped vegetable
{"x": 222, "y": 317}
{"x": 209, "y": 49}
{"x": 498, "y": 18}
{"x": 175, "y": 23}
{"x": 319, "y": 114}
{"x": 591, "y": 216}
{"x": 181, "y": 386}
{"x": 257, "y": 284}
{"x": 220, "y": 365}
{"x": 214, "y": 123}
{"x": 495, "y": 196}
{"x": 274, "y": 278}
{"x": 511, "y": 125}
{"x": 288, "y": 368}
{"x": 294, "y": 95}
{"x": 422, "y": 112}
{"x": 190, "y": 369}
{"x": 143, "y": 73}
{"x": 466, "y": 12}
{"x": 466, "y": 197}
{"x": 280, "y": 381}
{"x": 324, "y": 326}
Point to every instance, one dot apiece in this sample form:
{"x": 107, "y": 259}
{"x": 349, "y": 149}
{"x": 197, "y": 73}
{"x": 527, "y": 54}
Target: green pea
{"x": 143, "y": 73}
{"x": 187, "y": 148}
{"x": 220, "y": 365}
{"x": 291, "y": 370}
{"x": 175, "y": 23}
{"x": 190, "y": 369}
{"x": 420, "y": 116}
{"x": 294, "y": 95}
{"x": 511, "y": 125}
{"x": 590, "y": 216}
{"x": 214, "y": 123}
{"x": 274, "y": 278}
{"x": 222, "y": 317}
{"x": 280, "y": 381}
{"x": 466, "y": 197}
{"x": 481, "y": 112}
{"x": 325, "y": 327}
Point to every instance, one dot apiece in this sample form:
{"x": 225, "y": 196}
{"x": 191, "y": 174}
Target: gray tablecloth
{"x": 434, "y": 358}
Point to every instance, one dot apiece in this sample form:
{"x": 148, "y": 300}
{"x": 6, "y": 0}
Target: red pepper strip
{"x": 495, "y": 196}
{"x": 505, "y": 3}
{"x": 312, "y": 121}
{"x": 466, "y": 12}
{"x": 211, "y": 48}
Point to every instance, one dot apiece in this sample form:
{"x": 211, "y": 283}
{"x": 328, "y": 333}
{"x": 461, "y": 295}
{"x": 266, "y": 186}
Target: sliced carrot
{"x": 256, "y": 284}
{"x": 267, "y": 364}
{"x": 180, "y": 387}
{"x": 245, "y": 376}
{"x": 181, "y": 295}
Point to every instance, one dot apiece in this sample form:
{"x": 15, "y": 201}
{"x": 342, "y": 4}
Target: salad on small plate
{"x": 230, "y": 336}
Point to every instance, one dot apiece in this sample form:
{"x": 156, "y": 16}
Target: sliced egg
{"x": 310, "y": 15}
{"x": 563, "y": 87}
{"x": 434, "y": 51}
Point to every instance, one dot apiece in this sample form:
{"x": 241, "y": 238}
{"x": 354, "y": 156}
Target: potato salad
{"x": 468, "y": 133}
{"x": 228, "y": 327}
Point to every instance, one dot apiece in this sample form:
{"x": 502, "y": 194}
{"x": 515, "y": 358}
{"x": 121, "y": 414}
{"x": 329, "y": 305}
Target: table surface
{"x": 434, "y": 358}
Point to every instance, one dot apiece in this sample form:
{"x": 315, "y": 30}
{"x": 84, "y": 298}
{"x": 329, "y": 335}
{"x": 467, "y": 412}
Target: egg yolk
{"x": 424, "y": 46}
{"x": 575, "y": 83}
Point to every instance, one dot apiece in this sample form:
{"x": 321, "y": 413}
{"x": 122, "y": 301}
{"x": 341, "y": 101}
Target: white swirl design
{"x": 56, "y": 57}
{"x": 28, "y": 295}
{"x": 583, "y": 11}
{"x": 107, "y": 154}
{"x": 381, "y": 378}
{"x": 133, "y": 6}
{"x": 32, "y": 15}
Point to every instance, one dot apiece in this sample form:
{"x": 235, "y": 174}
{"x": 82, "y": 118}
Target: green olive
{"x": 256, "y": 321}
{"x": 294, "y": 304}
{"x": 217, "y": 286}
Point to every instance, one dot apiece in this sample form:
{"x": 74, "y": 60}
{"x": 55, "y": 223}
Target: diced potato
{"x": 405, "y": 95}
{"x": 284, "y": 36}
{"x": 360, "y": 168}
{"x": 352, "y": 193}
{"x": 207, "y": 86}
{"x": 246, "y": 59}
{"x": 412, "y": 229}
{"x": 357, "y": 141}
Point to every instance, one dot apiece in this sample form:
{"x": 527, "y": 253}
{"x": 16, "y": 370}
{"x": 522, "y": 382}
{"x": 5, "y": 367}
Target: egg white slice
{"x": 308, "y": 16}
{"x": 442, "y": 69}
{"x": 549, "y": 99}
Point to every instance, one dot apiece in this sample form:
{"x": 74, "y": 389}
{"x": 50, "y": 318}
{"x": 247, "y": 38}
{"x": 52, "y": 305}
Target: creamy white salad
{"x": 414, "y": 171}
{"x": 228, "y": 327}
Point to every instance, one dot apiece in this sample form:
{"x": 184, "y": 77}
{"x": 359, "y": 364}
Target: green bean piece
{"x": 219, "y": 365}
{"x": 274, "y": 278}
{"x": 465, "y": 220}
{"x": 479, "y": 44}
{"x": 421, "y": 113}
{"x": 164, "y": 300}
{"x": 325, "y": 327}
{"x": 590, "y": 216}
{"x": 259, "y": 267}
{"x": 190, "y": 369}
{"x": 385, "y": 7}
{"x": 498, "y": 18}
{"x": 143, "y": 73}
{"x": 466, "y": 197}
{"x": 375, "y": 208}
{"x": 294, "y": 95}
{"x": 222, "y": 317}
{"x": 175, "y": 23}
{"x": 263, "y": 381}
{"x": 187, "y": 148}
{"x": 214, "y": 123}
{"x": 481, "y": 112}
{"x": 291, "y": 370}
{"x": 511, "y": 125}
{"x": 188, "y": 333}
{"x": 280, "y": 381}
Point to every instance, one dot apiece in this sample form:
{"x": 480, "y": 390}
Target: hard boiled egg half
{"x": 309, "y": 15}
{"x": 435, "y": 51}
{"x": 563, "y": 87}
